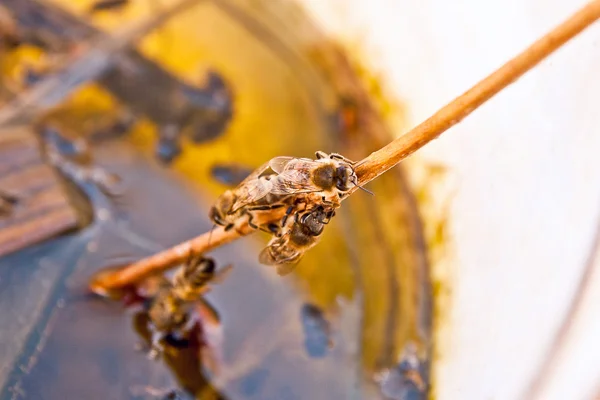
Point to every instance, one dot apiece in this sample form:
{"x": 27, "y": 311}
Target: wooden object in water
{"x": 34, "y": 205}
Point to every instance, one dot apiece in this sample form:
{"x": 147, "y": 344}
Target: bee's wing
{"x": 251, "y": 191}
{"x": 285, "y": 269}
{"x": 207, "y": 312}
{"x": 278, "y": 164}
{"x": 284, "y": 260}
{"x": 254, "y": 174}
{"x": 266, "y": 257}
{"x": 221, "y": 274}
{"x": 293, "y": 181}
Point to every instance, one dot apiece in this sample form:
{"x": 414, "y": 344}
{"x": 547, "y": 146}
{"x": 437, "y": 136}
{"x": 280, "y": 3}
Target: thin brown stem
{"x": 452, "y": 113}
{"x": 108, "y": 279}
{"x": 387, "y": 157}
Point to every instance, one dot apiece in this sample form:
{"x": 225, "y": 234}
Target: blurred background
{"x": 452, "y": 282}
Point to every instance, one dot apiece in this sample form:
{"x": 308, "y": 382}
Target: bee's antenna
{"x": 210, "y": 234}
{"x": 366, "y": 190}
{"x": 355, "y": 181}
{"x": 190, "y": 258}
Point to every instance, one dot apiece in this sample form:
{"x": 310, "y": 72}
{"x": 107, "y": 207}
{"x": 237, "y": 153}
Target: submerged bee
{"x": 405, "y": 380}
{"x": 300, "y": 233}
{"x": 171, "y": 309}
{"x": 317, "y": 331}
{"x": 73, "y": 158}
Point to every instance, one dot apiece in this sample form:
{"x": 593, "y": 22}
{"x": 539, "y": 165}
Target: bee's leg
{"x": 274, "y": 229}
{"x": 287, "y": 214}
{"x": 156, "y": 347}
{"x": 228, "y": 227}
{"x": 270, "y": 229}
{"x": 249, "y": 210}
{"x": 337, "y": 156}
{"x": 250, "y": 223}
{"x": 321, "y": 154}
{"x": 253, "y": 225}
{"x": 264, "y": 208}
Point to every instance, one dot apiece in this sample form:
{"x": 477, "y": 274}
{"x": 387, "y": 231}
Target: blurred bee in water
{"x": 317, "y": 331}
{"x": 405, "y": 380}
{"x": 73, "y": 158}
{"x": 178, "y": 305}
{"x": 231, "y": 174}
{"x": 299, "y": 234}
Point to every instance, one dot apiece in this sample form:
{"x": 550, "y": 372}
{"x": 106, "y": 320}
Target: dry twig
{"x": 387, "y": 157}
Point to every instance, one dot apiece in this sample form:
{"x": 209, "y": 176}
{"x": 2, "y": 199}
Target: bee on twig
{"x": 233, "y": 205}
{"x": 172, "y": 311}
{"x": 330, "y": 175}
{"x": 300, "y": 233}
{"x": 286, "y": 182}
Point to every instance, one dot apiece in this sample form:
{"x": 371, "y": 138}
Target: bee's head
{"x": 199, "y": 271}
{"x": 313, "y": 222}
{"x": 345, "y": 178}
{"x": 222, "y": 207}
{"x": 207, "y": 265}
{"x": 215, "y": 216}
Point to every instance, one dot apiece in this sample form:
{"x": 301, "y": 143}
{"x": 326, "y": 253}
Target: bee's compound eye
{"x": 208, "y": 265}
{"x": 343, "y": 181}
{"x": 312, "y": 224}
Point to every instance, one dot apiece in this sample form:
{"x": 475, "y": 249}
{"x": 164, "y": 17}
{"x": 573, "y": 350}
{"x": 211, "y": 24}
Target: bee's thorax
{"x": 323, "y": 176}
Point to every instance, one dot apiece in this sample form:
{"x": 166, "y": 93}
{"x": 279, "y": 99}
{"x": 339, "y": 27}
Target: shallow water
{"x": 369, "y": 273}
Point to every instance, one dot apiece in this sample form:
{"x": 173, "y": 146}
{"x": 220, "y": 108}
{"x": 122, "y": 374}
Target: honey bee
{"x": 317, "y": 331}
{"x": 324, "y": 180}
{"x": 331, "y": 174}
{"x": 235, "y": 204}
{"x": 300, "y": 233}
{"x": 170, "y": 311}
